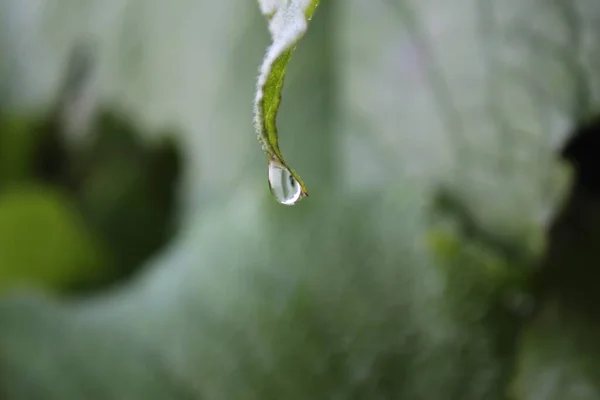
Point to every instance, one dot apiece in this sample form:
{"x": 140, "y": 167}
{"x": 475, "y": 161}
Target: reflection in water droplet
{"x": 284, "y": 186}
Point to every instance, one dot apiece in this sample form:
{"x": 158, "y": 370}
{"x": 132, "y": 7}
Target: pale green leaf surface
{"x": 490, "y": 94}
{"x": 485, "y": 101}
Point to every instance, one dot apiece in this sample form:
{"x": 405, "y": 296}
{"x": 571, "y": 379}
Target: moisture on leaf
{"x": 288, "y": 21}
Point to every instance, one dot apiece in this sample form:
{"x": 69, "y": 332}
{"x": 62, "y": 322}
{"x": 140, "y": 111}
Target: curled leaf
{"x": 288, "y": 21}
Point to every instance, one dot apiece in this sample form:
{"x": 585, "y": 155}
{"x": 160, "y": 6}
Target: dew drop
{"x": 284, "y": 187}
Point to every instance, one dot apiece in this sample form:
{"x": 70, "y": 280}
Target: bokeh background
{"x": 449, "y": 248}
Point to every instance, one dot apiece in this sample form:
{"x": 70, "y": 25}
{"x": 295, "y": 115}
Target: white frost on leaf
{"x": 287, "y": 25}
{"x": 268, "y": 7}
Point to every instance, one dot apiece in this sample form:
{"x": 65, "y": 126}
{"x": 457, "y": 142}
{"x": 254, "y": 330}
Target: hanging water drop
{"x": 285, "y": 188}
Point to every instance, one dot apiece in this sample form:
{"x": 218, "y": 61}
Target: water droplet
{"x": 285, "y": 188}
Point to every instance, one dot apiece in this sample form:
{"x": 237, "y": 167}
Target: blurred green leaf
{"x": 122, "y": 188}
{"x": 126, "y": 189}
{"x": 558, "y": 356}
{"x": 327, "y": 322}
{"x": 44, "y": 242}
{"x": 17, "y": 148}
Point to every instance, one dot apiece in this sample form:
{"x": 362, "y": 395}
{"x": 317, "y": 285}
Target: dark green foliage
{"x": 121, "y": 189}
{"x": 127, "y": 190}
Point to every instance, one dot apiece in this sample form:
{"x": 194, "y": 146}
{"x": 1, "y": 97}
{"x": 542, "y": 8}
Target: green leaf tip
{"x": 288, "y": 21}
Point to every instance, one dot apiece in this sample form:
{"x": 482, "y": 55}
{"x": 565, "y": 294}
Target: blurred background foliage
{"x": 449, "y": 248}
